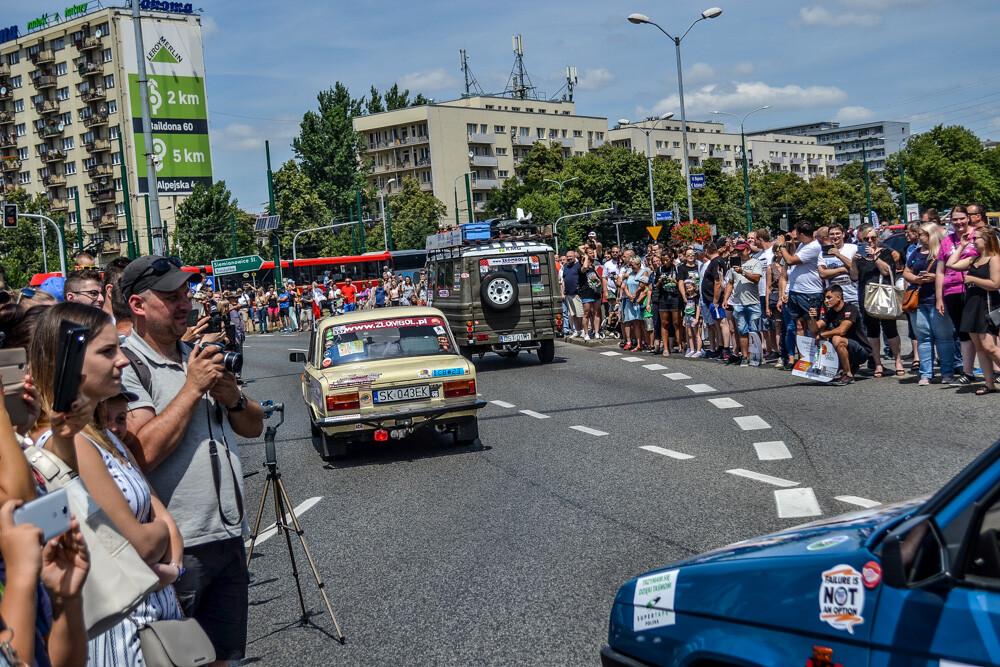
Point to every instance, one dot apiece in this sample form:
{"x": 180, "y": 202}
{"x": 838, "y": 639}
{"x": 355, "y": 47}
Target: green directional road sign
{"x": 223, "y": 267}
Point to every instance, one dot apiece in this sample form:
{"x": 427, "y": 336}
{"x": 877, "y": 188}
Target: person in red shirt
{"x": 348, "y": 291}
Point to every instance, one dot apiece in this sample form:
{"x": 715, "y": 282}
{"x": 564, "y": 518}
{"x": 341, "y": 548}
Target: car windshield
{"x": 392, "y": 338}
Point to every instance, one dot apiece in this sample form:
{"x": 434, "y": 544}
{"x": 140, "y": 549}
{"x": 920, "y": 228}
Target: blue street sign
{"x": 664, "y": 216}
{"x": 697, "y": 181}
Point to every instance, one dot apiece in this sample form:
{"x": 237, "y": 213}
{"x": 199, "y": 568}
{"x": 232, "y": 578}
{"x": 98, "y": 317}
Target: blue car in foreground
{"x": 914, "y": 583}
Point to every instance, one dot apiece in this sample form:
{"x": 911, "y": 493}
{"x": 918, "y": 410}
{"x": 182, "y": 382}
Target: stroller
{"x": 611, "y": 326}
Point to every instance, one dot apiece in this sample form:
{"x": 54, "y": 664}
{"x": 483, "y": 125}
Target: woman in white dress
{"x": 111, "y": 475}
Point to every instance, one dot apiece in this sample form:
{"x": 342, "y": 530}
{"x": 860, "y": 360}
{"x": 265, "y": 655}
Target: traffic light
{"x": 10, "y": 216}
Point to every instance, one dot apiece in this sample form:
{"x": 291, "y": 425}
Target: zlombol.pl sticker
{"x": 653, "y": 601}
{"x": 842, "y": 598}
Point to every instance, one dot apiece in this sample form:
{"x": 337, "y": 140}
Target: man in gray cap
{"x": 187, "y": 410}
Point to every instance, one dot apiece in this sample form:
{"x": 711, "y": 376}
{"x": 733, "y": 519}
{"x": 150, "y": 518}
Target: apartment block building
{"x": 69, "y": 92}
{"x": 880, "y": 139}
{"x": 801, "y": 155}
{"x": 484, "y": 136}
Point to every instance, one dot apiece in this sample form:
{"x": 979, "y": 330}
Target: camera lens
{"x": 233, "y": 361}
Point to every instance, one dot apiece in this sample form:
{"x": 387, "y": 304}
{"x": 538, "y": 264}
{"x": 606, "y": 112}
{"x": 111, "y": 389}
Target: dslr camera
{"x": 232, "y": 361}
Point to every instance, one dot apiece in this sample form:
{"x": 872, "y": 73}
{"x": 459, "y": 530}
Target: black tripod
{"x": 283, "y": 507}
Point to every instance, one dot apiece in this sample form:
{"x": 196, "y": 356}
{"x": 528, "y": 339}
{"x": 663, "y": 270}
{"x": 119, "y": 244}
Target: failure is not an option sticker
{"x": 842, "y": 598}
{"x": 653, "y": 601}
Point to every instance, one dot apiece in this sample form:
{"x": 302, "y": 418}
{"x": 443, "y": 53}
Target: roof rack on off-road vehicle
{"x": 476, "y": 234}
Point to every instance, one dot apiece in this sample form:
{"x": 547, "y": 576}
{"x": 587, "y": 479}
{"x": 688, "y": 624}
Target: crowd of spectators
{"x": 151, "y": 434}
{"x": 709, "y": 299}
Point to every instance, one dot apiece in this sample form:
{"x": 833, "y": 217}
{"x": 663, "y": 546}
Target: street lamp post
{"x": 455, "y": 188}
{"x": 743, "y": 141}
{"x": 562, "y": 210}
{"x": 385, "y": 229}
{"x": 625, "y": 122}
{"x": 868, "y": 193}
{"x": 709, "y": 13}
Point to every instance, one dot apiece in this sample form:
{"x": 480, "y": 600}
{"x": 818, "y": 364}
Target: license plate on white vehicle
{"x": 403, "y": 394}
{"x": 512, "y": 338}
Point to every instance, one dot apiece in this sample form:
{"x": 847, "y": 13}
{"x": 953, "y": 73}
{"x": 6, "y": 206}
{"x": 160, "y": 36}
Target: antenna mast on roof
{"x": 470, "y": 78}
{"x": 519, "y": 85}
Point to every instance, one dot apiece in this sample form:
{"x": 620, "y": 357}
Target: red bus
{"x": 361, "y": 269}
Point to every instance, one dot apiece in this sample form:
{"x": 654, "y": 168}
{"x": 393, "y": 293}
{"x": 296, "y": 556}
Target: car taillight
{"x": 482, "y": 336}
{"x": 343, "y": 401}
{"x": 459, "y": 388}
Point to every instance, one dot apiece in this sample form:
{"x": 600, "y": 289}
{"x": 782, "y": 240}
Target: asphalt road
{"x": 511, "y": 553}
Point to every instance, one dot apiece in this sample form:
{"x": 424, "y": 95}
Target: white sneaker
{"x": 576, "y": 334}
{"x": 586, "y": 336}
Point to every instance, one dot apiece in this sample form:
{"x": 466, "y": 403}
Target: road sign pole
{"x": 125, "y": 195}
{"x": 149, "y": 230}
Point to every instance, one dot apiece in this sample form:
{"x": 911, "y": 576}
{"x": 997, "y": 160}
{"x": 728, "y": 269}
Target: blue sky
{"x": 924, "y": 61}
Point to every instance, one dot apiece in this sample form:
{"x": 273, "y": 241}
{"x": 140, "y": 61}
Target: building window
{"x": 21, "y": 129}
{"x": 116, "y": 158}
{"x": 482, "y": 128}
{"x": 90, "y": 162}
{"x": 600, "y": 135}
{"x": 113, "y": 106}
{"x": 25, "y": 177}
{"x": 69, "y": 169}
{"x": 104, "y": 28}
{"x": 118, "y": 184}
{"x": 499, "y": 129}
{"x": 62, "y": 93}
{"x": 120, "y": 209}
{"x": 540, "y": 132}
{"x": 67, "y": 144}
{"x": 106, "y": 55}
{"x": 66, "y": 118}
{"x": 18, "y": 105}
{"x": 33, "y": 50}
{"x": 109, "y": 81}
{"x": 71, "y": 218}
{"x": 470, "y": 128}
{"x": 59, "y": 43}
{"x": 16, "y": 81}
{"x": 85, "y": 113}
{"x": 14, "y": 58}
{"x": 61, "y": 69}
{"x": 502, "y": 173}
{"x": 578, "y": 133}
{"x": 22, "y": 153}
{"x": 501, "y": 151}
{"x": 113, "y": 132}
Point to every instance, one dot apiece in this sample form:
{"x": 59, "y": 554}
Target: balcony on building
{"x": 479, "y": 206}
{"x": 10, "y": 163}
{"x": 95, "y": 120}
{"x": 102, "y": 197}
{"x": 796, "y": 161}
{"x": 42, "y": 81}
{"x": 6, "y": 117}
{"x": 485, "y": 183}
{"x": 427, "y": 187}
{"x": 94, "y": 94}
{"x": 50, "y": 129}
{"x": 99, "y": 170}
{"x": 523, "y": 140}
{"x": 54, "y": 180}
{"x": 8, "y": 140}
{"x": 6, "y": 93}
{"x": 594, "y": 144}
{"x": 85, "y": 67}
{"x": 59, "y": 205}
{"x": 97, "y": 215}
{"x": 4, "y": 70}
{"x": 567, "y": 142}
{"x": 482, "y": 138}
{"x": 46, "y": 107}
{"x": 97, "y": 146}
{"x": 483, "y": 161}
{"x": 42, "y": 57}
{"x": 110, "y": 249}
{"x": 776, "y": 160}
{"x": 52, "y": 155}
{"x": 88, "y": 43}
{"x": 102, "y": 184}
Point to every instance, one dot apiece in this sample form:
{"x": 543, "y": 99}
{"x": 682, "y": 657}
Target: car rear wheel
{"x": 466, "y": 434}
{"x": 332, "y": 447}
{"x": 498, "y": 291}
{"x": 547, "y": 351}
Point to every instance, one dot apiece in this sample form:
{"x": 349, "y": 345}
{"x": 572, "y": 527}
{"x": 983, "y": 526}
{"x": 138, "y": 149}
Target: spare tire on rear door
{"x": 498, "y": 290}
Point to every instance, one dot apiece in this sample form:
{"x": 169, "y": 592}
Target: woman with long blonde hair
{"x": 930, "y": 327}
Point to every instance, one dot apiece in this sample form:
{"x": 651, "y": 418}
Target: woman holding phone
{"x": 982, "y": 280}
{"x": 929, "y": 326}
{"x": 107, "y": 468}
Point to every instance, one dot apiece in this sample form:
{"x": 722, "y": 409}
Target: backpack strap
{"x": 141, "y": 369}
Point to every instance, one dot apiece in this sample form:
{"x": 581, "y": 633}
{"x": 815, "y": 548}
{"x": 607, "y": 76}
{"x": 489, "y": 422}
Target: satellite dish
{"x": 61, "y": 126}
{"x": 98, "y": 34}
{"x": 3, "y": 90}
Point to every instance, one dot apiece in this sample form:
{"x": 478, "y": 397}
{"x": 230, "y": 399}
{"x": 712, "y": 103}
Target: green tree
{"x": 774, "y": 194}
{"x": 394, "y": 99}
{"x": 328, "y": 147}
{"x": 721, "y": 201}
{"x": 415, "y": 216}
{"x": 300, "y": 207}
{"x": 853, "y": 176}
{"x": 203, "y": 225}
{"x": 374, "y": 103}
{"x": 21, "y": 248}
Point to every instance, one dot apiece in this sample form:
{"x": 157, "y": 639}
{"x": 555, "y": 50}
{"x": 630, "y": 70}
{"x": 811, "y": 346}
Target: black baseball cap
{"x": 153, "y": 272}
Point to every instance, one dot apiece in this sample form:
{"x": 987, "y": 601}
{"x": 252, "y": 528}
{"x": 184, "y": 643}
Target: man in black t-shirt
{"x": 840, "y": 325}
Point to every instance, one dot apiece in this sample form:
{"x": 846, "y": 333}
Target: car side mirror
{"x": 914, "y": 555}
{"x": 299, "y": 357}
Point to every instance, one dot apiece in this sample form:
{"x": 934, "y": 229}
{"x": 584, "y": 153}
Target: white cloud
{"x": 699, "y": 73}
{"x": 747, "y": 95}
{"x": 821, "y": 17}
{"x": 243, "y": 138}
{"x": 852, "y": 115}
{"x": 208, "y": 26}
{"x": 595, "y": 79}
{"x": 428, "y": 80}
{"x": 743, "y": 69}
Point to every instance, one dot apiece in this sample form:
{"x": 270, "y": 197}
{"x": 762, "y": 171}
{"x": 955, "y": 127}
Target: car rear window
{"x": 392, "y": 338}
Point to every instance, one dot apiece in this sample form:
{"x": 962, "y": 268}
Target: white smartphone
{"x": 49, "y": 512}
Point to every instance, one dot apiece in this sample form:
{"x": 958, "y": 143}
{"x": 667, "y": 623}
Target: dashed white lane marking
{"x": 676, "y": 376}
{"x": 751, "y": 423}
{"x": 631, "y": 360}
{"x": 611, "y": 354}
{"x": 724, "y": 403}
{"x": 772, "y": 450}
{"x": 701, "y": 388}
{"x": 760, "y": 477}
{"x": 857, "y": 500}
{"x": 666, "y": 452}
{"x": 502, "y": 404}
{"x": 793, "y": 503}
{"x": 532, "y": 413}
{"x": 272, "y": 530}
{"x": 587, "y": 430}
{"x": 655, "y": 367}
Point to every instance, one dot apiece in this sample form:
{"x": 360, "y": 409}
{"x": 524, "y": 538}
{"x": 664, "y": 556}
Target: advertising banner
{"x": 819, "y": 360}
{"x": 175, "y": 67}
